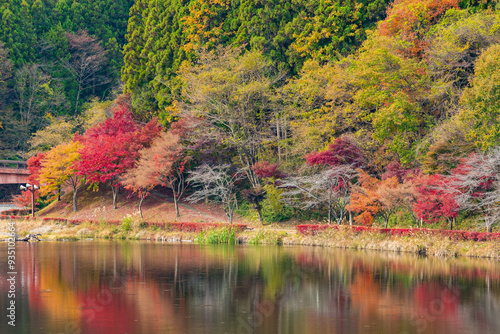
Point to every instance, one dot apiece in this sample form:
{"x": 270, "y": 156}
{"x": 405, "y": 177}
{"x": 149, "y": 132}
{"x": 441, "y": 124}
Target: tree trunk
{"x": 176, "y": 204}
{"x": 386, "y": 220}
{"x": 75, "y": 206}
{"x": 451, "y": 223}
{"x": 330, "y": 207}
{"x": 350, "y": 218}
{"x": 278, "y": 133}
{"x": 115, "y": 195}
{"x": 259, "y": 211}
{"x": 140, "y": 205}
{"x": 490, "y": 228}
{"x": 78, "y": 99}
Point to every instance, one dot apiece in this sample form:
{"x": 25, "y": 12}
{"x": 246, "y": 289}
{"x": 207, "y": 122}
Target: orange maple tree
{"x": 374, "y": 197}
{"x": 411, "y": 19}
{"x": 161, "y": 164}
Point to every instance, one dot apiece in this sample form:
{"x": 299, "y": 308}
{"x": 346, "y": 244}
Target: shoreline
{"x": 420, "y": 243}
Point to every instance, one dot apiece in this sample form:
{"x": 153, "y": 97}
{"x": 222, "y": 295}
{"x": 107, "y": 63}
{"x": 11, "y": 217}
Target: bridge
{"x": 13, "y": 172}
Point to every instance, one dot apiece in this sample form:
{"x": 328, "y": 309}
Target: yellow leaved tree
{"x": 57, "y": 169}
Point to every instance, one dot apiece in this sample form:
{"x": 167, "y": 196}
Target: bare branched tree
{"x": 31, "y": 88}
{"x": 329, "y": 188}
{"x": 87, "y": 60}
{"x": 403, "y": 195}
{"x": 218, "y": 184}
{"x": 475, "y": 184}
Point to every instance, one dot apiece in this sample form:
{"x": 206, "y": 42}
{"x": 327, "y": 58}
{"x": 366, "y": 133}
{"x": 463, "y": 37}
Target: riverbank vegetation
{"x": 420, "y": 242}
{"x": 358, "y": 113}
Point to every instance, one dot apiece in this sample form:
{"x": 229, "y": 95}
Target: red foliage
{"x": 433, "y": 202}
{"x": 340, "y": 152}
{"x": 403, "y": 173}
{"x": 181, "y": 227}
{"x": 454, "y": 235}
{"x": 113, "y": 146}
{"x": 24, "y": 199}
{"x": 34, "y": 166}
{"x": 182, "y": 127}
{"x": 411, "y": 19}
{"x": 264, "y": 169}
{"x": 308, "y": 229}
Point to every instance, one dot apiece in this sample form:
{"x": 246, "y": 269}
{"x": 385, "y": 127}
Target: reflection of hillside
{"x": 192, "y": 289}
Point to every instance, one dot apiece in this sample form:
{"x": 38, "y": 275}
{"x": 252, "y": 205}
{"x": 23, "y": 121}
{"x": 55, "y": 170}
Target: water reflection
{"x": 136, "y": 287}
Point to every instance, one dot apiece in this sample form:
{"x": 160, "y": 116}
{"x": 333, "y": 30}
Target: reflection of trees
{"x": 189, "y": 288}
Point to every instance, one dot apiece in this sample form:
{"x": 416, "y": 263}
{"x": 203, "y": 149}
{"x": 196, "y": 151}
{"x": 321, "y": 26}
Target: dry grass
{"x": 420, "y": 243}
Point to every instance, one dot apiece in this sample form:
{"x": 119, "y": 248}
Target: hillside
{"x": 158, "y": 207}
{"x": 373, "y": 112}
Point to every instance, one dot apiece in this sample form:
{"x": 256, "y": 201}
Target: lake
{"x": 148, "y": 287}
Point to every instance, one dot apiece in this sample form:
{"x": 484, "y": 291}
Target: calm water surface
{"x": 140, "y": 287}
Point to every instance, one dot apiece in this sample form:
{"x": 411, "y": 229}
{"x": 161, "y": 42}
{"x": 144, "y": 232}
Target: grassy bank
{"x": 423, "y": 243}
{"x": 344, "y": 237}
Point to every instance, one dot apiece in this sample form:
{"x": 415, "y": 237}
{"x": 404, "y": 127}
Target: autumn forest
{"x": 366, "y": 112}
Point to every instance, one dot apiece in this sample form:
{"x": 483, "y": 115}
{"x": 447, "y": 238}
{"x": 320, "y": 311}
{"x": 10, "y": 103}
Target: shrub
{"x": 223, "y": 235}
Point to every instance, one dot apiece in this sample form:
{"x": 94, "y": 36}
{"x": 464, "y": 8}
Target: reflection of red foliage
{"x": 309, "y": 260}
{"x": 436, "y": 300}
{"x": 105, "y": 312}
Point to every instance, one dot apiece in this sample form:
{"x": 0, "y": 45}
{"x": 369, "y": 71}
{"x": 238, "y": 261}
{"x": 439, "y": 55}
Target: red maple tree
{"x": 264, "y": 170}
{"x": 433, "y": 201}
{"x": 341, "y": 152}
{"x": 34, "y": 166}
{"x": 112, "y": 147}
